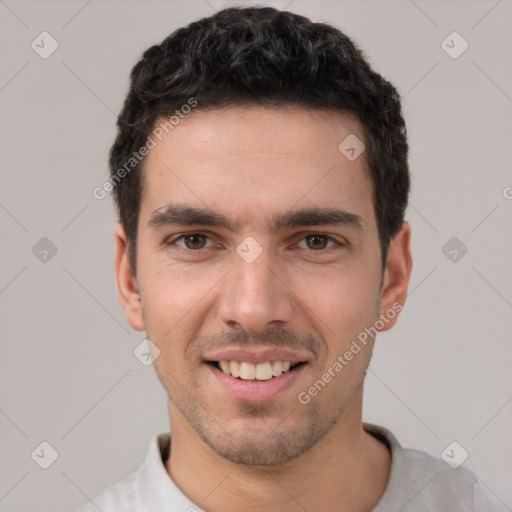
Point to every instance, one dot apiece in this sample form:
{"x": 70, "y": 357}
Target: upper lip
{"x": 256, "y": 355}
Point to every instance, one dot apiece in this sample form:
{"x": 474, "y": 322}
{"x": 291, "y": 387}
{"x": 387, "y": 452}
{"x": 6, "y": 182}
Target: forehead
{"x": 248, "y": 162}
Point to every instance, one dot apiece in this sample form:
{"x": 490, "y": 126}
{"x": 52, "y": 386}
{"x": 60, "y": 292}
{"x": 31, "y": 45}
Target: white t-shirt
{"x": 418, "y": 482}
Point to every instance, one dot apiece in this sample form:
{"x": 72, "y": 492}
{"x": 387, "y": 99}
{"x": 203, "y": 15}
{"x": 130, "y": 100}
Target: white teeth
{"x": 247, "y": 371}
{"x": 263, "y": 371}
{"x": 277, "y": 368}
{"x": 250, "y": 371}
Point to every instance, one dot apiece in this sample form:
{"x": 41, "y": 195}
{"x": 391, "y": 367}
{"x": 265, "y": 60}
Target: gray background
{"x": 68, "y": 374}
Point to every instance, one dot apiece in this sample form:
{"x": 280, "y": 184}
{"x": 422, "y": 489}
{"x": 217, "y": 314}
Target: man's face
{"x": 264, "y": 286}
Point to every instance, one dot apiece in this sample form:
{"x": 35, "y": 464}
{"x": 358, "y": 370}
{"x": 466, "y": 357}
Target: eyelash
{"x": 172, "y": 242}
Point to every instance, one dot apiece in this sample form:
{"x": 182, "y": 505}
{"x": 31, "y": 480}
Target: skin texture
{"x": 311, "y": 296}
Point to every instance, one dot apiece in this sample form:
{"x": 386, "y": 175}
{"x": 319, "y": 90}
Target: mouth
{"x": 245, "y": 370}
{"x": 255, "y": 382}
{"x": 256, "y": 373}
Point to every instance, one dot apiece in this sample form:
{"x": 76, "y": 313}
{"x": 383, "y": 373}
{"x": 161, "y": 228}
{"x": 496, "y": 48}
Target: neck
{"x": 346, "y": 470}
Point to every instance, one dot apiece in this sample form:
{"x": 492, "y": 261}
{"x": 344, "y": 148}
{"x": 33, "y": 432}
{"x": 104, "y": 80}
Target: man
{"x": 261, "y": 178}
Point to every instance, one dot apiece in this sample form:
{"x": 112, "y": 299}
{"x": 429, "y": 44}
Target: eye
{"x": 318, "y": 242}
{"x": 192, "y": 241}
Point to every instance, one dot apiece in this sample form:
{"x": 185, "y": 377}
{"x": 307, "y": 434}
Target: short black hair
{"x": 266, "y": 57}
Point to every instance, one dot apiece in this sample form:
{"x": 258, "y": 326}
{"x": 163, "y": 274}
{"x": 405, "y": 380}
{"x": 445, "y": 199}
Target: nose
{"x": 255, "y": 295}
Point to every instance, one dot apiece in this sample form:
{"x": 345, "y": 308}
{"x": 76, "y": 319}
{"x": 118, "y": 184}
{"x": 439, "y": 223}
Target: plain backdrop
{"x": 68, "y": 374}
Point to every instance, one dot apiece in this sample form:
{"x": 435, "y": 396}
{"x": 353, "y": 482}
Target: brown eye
{"x": 194, "y": 241}
{"x": 190, "y": 242}
{"x": 317, "y": 241}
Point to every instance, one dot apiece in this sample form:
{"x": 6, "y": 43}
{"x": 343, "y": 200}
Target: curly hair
{"x": 263, "y": 56}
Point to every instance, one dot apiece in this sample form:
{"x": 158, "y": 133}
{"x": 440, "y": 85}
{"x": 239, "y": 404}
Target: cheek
{"x": 340, "y": 302}
{"x": 176, "y": 300}
{"x": 342, "y": 312}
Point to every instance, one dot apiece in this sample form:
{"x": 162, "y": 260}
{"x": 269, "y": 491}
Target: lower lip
{"x": 256, "y": 390}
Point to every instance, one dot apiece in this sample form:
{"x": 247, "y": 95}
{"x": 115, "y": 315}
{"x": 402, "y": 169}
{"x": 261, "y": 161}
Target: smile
{"x": 255, "y": 382}
{"x": 245, "y": 370}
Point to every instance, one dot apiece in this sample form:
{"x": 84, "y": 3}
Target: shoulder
{"x": 133, "y": 492}
{"x": 119, "y": 497}
{"x": 421, "y": 482}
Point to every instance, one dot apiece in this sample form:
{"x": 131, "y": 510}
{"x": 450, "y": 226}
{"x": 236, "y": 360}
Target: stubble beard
{"x": 261, "y": 445}
{"x": 256, "y": 446}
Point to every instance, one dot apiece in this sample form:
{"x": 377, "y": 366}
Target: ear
{"x": 396, "y": 277}
{"x": 127, "y": 288}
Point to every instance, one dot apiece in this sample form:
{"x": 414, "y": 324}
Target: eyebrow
{"x": 183, "y": 215}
